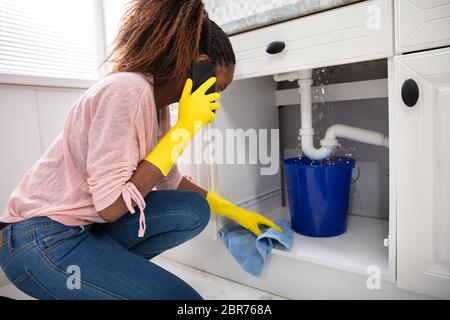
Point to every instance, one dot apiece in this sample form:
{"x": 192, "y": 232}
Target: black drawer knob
{"x": 275, "y": 47}
{"x": 410, "y": 93}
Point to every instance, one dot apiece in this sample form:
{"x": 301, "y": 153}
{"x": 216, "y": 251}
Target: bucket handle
{"x": 357, "y": 177}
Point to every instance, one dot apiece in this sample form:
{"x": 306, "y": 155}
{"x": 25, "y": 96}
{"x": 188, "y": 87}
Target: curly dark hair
{"x": 164, "y": 37}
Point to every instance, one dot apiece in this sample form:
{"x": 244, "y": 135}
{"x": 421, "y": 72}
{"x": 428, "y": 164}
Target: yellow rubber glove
{"x": 247, "y": 219}
{"x": 195, "y": 111}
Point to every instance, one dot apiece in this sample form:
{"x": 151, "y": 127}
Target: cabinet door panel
{"x": 424, "y": 174}
{"x": 421, "y": 24}
{"x": 248, "y": 106}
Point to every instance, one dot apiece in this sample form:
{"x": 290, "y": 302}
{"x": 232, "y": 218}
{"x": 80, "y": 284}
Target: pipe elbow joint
{"x": 316, "y": 154}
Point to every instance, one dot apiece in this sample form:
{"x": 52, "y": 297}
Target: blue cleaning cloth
{"x": 250, "y": 251}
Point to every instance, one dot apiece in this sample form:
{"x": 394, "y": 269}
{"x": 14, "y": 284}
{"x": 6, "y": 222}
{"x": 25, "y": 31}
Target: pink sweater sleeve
{"x": 113, "y": 147}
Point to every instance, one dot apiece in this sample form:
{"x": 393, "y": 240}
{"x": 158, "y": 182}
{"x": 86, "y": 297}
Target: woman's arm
{"x": 186, "y": 184}
{"x": 195, "y": 111}
{"x": 247, "y": 219}
{"x": 144, "y": 178}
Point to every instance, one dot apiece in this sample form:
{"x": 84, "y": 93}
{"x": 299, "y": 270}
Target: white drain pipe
{"x": 356, "y": 134}
{"x": 329, "y": 143}
{"x": 307, "y": 131}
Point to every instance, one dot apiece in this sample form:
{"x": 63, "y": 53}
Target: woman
{"x": 71, "y": 230}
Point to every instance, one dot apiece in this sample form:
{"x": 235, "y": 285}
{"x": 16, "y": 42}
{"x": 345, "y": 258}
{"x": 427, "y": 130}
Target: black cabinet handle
{"x": 410, "y": 93}
{"x": 275, "y": 47}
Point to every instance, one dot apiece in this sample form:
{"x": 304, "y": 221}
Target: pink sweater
{"x": 108, "y": 131}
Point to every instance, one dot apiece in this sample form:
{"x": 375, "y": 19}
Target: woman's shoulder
{"x": 129, "y": 84}
{"x": 126, "y": 82}
{"x": 123, "y": 91}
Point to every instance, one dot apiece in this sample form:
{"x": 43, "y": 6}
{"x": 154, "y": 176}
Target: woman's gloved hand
{"x": 195, "y": 112}
{"x": 247, "y": 219}
{"x": 196, "y": 109}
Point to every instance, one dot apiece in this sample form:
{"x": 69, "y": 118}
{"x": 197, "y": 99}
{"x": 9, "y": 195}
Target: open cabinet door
{"x": 423, "y": 218}
{"x": 191, "y": 164}
{"x": 249, "y": 172}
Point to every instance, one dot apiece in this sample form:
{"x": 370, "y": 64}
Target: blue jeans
{"x": 48, "y": 260}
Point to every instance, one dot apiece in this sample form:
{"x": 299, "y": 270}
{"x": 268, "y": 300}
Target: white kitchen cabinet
{"x": 400, "y": 225}
{"x": 423, "y": 178}
{"x": 344, "y": 260}
{"x": 421, "y": 24}
{"x": 337, "y": 267}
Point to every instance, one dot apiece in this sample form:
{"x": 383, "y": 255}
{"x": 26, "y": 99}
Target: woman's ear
{"x": 203, "y": 58}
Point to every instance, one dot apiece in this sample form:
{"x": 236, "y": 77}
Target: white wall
{"x": 112, "y": 12}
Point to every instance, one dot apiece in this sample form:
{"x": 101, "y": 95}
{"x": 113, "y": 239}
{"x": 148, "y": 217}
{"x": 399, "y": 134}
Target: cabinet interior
{"x": 353, "y": 94}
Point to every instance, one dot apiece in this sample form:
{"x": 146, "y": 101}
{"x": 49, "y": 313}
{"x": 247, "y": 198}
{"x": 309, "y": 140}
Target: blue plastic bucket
{"x": 319, "y": 194}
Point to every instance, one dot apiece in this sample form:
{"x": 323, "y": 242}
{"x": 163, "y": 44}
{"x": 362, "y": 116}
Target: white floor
{"x": 209, "y": 286}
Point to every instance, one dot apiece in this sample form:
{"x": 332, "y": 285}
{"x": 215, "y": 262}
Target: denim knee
{"x": 197, "y": 205}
